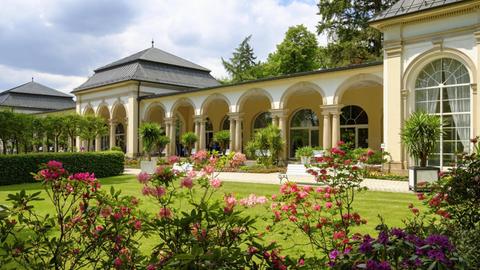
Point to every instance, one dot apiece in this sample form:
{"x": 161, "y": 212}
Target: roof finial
{"x": 32, "y": 79}
{"x": 153, "y": 43}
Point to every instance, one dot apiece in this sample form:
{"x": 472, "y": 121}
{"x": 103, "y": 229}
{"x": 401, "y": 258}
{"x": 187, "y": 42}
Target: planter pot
{"x": 305, "y": 160}
{"x": 418, "y": 175}
{"x": 148, "y": 166}
{"x": 318, "y": 153}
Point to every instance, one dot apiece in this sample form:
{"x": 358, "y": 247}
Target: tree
{"x": 150, "y": 133}
{"x": 188, "y": 140}
{"x": 420, "y": 135}
{"x": 91, "y": 127}
{"x": 6, "y": 128}
{"x": 222, "y": 137}
{"x": 266, "y": 145}
{"x": 72, "y": 128}
{"x": 346, "y": 23}
{"x": 242, "y": 66}
{"x": 54, "y": 125}
{"x": 296, "y": 53}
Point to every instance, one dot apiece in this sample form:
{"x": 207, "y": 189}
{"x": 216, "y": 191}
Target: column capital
{"x": 393, "y": 48}
{"x": 404, "y": 93}
{"x": 280, "y": 113}
{"x": 199, "y": 118}
{"x": 169, "y": 120}
{"x": 333, "y": 109}
{"x": 477, "y": 36}
{"x": 236, "y": 116}
{"x": 474, "y": 88}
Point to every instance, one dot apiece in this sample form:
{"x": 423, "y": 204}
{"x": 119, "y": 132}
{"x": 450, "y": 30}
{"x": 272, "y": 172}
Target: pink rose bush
{"x": 87, "y": 226}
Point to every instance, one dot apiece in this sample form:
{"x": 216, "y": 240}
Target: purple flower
{"x": 374, "y": 265}
{"x": 437, "y": 255}
{"x": 441, "y": 241}
{"x": 366, "y": 245}
{"x": 383, "y": 238}
{"x": 333, "y": 254}
{"x": 399, "y": 233}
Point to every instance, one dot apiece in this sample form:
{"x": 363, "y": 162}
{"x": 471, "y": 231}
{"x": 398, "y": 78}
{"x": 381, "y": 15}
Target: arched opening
{"x": 119, "y": 118}
{"x": 304, "y": 102}
{"x": 304, "y": 130}
{"x": 362, "y": 112}
{"x": 183, "y": 112}
{"x": 262, "y": 120}
{"x": 216, "y": 109}
{"x": 354, "y": 126}
{"x": 155, "y": 114}
{"x": 443, "y": 88}
{"x": 105, "y": 139}
{"x": 252, "y": 104}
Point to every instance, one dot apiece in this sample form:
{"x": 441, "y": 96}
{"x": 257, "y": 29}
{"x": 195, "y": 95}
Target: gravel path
{"x": 272, "y": 178}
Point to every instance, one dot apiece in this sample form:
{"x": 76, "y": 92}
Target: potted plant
{"x": 150, "y": 133}
{"x": 223, "y": 139}
{"x": 188, "y": 140}
{"x": 304, "y": 153}
{"x": 420, "y": 135}
{"x": 162, "y": 143}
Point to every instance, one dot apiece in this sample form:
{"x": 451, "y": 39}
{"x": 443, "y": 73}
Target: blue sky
{"x": 60, "y": 42}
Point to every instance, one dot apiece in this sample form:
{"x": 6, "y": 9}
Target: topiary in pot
{"x": 304, "y": 153}
{"x": 419, "y": 135}
{"x": 162, "y": 143}
{"x": 189, "y": 139}
{"x": 150, "y": 133}
{"x": 222, "y": 138}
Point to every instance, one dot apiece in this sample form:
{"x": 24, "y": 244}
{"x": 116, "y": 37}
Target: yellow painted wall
{"x": 252, "y": 107}
{"x": 370, "y": 99}
{"x": 216, "y": 111}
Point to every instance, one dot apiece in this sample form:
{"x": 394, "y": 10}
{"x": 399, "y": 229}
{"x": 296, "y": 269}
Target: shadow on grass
{"x": 121, "y": 179}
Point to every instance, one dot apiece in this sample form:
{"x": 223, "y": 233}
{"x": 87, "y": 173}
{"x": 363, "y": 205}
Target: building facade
{"x": 431, "y": 63}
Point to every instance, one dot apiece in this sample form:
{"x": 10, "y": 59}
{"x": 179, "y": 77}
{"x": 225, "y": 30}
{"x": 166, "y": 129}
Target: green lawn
{"x": 392, "y": 206}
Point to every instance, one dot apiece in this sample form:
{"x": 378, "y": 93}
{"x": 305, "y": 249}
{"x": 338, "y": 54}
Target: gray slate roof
{"x": 404, "y": 7}
{"x": 152, "y": 65}
{"x": 36, "y": 96}
{"x": 155, "y": 55}
{"x": 35, "y": 88}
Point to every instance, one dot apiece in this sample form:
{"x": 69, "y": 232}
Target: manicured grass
{"x": 393, "y": 207}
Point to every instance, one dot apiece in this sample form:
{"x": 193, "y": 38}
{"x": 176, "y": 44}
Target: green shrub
{"x": 116, "y": 148}
{"x": 17, "y": 169}
{"x": 222, "y": 137}
{"x": 189, "y": 139}
{"x": 305, "y": 151}
{"x": 266, "y": 145}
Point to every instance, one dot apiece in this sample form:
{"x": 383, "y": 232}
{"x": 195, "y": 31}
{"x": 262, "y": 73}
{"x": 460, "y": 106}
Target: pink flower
{"x": 106, "y": 211}
{"x": 187, "y": 182}
{"x": 319, "y": 190}
{"x": 215, "y": 183}
{"x": 317, "y": 207}
{"x": 230, "y": 202}
{"x": 293, "y": 218}
{"x": 252, "y": 200}
{"x": 117, "y": 262}
{"x": 238, "y": 159}
{"x": 302, "y": 194}
{"x": 137, "y": 224}
{"x": 143, "y": 177}
{"x": 165, "y": 213}
{"x": 159, "y": 191}
{"x": 328, "y": 205}
{"x": 274, "y": 196}
{"x": 370, "y": 152}
{"x": 200, "y": 156}
{"x": 53, "y": 164}
{"x": 173, "y": 159}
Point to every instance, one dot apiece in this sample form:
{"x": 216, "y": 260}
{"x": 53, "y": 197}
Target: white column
{"x": 132, "y": 125}
{"x": 232, "y": 134}
{"x": 167, "y": 133}
{"x": 173, "y": 131}
{"x": 238, "y": 134}
{"x": 327, "y": 131}
{"x": 335, "y": 127}
{"x": 197, "y": 132}
{"x": 98, "y": 143}
{"x": 280, "y": 120}
{"x": 202, "y": 136}
{"x": 112, "y": 134}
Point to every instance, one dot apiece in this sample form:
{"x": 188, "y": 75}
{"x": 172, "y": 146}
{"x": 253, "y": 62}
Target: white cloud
{"x": 202, "y": 31}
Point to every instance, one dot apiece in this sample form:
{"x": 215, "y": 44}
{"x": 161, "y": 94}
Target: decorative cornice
{"x": 393, "y": 49}
{"x": 334, "y": 109}
{"x": 236, "y": 115}
{"x": 477, "y": 36}
{"x": 279, "y": 112}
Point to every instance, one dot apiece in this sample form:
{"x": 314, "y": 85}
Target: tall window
{"x": 225, "y": 123}
{"x": 443, "y": 88}
{"x": 262, "y": 120}
{"x": 120, "y": 136}
{"x": 303, "y": 130}
{"x": 354, "y": 126}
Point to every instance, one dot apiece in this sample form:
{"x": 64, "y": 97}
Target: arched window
{"x": 262, "y": 120}
{"x": 225, "y": 123}
{"x": 303, "y": 130}
{"x": 443, "y": 88}
{"x": 354, "y": 126}
{"x": 120, "y": 136}
{"x": 209, "y": 133}
{"x": 105, "y": 140}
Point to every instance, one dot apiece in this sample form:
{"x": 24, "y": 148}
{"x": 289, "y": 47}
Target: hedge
{"x": 17, "y": 169}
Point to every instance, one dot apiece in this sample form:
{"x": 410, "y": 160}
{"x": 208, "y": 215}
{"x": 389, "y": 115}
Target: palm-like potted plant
{"x": 188, "y": 140}
{"x": 162, "y": 143}
{"x": 223, "y": 139}
{"x": 305, "y": 154}
{"x": 150, "y": 133}
{"x": 420, "y": 136}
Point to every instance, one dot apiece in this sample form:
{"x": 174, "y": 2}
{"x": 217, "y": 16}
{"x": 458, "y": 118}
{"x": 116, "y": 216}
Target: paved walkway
{"x": 272, "y": 178}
